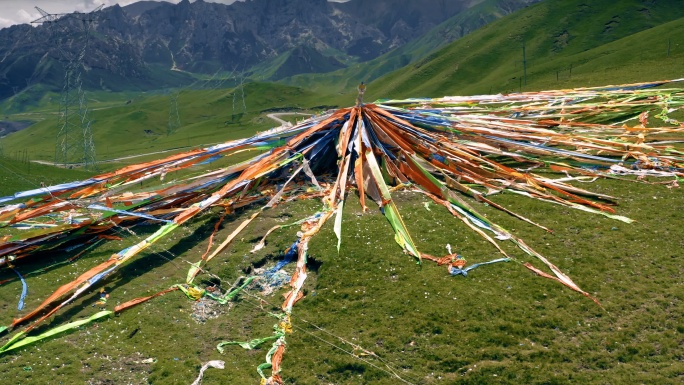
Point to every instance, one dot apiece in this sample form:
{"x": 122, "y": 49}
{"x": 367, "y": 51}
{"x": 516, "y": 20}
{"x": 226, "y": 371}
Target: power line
{"x": 214, "y": 82}
{"x": 74, "y": 142}
{"x": 524, "y": 52}
{"x": 239, "y": 88}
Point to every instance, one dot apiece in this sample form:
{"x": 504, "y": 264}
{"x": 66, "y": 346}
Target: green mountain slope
{"x": 139, "y": 125}
{"x": 302, "y": 59}
{"x": 480, "y": 14}
{"x": 565, "y": 43}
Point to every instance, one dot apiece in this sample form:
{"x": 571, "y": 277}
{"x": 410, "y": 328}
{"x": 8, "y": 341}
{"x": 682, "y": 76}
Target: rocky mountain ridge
{"x": 158, "y": 44}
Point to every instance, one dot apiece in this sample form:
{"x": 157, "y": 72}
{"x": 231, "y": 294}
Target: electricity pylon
{"x": 74, "y": 138}
{"x": 239, "y": 88}
{"x": 174, "y": 115}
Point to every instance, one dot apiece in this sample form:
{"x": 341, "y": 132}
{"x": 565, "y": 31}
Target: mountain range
{"x": 153, "y": 45}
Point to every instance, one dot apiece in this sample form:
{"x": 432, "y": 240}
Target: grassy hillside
{"x": 345, "y": 80}
{"x": 500, "y": 325}
{"x": 302, "y": 59}
{"x": 566, "y": 43}
{"x": 18, "y": 174}
{"x": 140, "y": 125}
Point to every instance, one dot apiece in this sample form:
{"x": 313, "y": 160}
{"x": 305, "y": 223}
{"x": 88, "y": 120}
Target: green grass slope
{"x": 302, "y": 59}
{"x": 500, "y": 325}
{"x": 130, "y": 124}
{"x": 566, "y": 43}
{"x": 344, "y": 80}
{"x": 17, "y": 173}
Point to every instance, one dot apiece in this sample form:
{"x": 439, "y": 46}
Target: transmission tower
{"x": 70, "y": 34}
{"x": 174, "y": 115}
{"x": 239, "y": 91}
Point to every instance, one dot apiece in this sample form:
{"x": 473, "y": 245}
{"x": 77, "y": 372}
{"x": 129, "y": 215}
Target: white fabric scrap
{"x": 211, "y": 364}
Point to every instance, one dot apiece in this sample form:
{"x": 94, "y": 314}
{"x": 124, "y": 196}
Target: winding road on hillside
{"x": 276, "y": 116}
